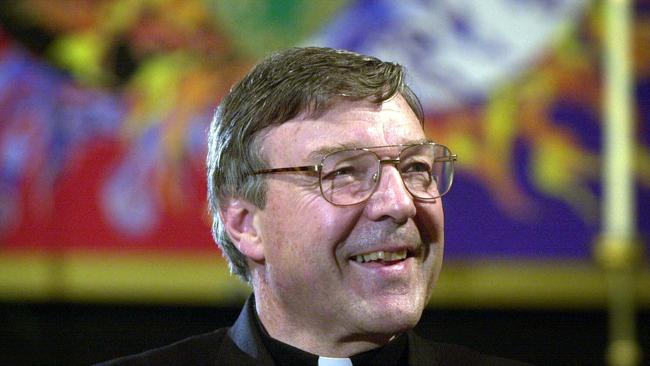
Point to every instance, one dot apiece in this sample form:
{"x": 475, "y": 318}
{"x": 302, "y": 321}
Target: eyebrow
{"x": 318, "y": 154}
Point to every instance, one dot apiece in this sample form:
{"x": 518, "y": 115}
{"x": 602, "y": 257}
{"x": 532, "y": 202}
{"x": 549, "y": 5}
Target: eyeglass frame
{"x": 318, "y": 168}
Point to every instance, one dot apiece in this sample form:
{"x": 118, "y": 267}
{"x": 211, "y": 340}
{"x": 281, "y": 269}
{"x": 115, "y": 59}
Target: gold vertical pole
{"x": 617, "y": 250}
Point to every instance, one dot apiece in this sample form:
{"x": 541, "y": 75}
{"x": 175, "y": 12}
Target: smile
{"x": 381, "y": 256}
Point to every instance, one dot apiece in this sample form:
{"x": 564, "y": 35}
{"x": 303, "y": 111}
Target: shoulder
{"x": 201, "y": 349}
{"x": 425, "y": 352}
{"x": 238, "y": 345}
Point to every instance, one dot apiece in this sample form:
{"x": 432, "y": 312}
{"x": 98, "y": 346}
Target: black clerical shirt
{"x": 247, "y": 344}
{"x": 394, "y": 353}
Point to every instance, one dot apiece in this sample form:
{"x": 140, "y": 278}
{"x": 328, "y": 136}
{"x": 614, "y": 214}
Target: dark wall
{"x": 81, "y": 334}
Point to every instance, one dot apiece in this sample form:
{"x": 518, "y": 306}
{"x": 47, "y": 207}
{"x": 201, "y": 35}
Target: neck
{"x": 308, "y": 333}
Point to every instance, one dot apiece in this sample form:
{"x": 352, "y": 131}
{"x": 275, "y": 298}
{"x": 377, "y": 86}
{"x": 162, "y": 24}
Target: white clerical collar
{"x": 330, "y": 361}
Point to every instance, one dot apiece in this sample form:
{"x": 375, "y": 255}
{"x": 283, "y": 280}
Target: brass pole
{"x": 616, "y": 250}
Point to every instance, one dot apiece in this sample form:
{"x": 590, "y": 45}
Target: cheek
{"x": 430, "y": 221}
{"x": 301, "y": 214}
{"x": 298, "y": 225}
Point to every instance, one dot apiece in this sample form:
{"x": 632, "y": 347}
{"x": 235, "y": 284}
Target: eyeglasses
{"x": 350, "y": 176}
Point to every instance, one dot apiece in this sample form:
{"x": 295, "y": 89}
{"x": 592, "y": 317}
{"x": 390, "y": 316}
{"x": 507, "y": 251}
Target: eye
{"x": 416, "y": 167}
{"x": 340, "y": 172}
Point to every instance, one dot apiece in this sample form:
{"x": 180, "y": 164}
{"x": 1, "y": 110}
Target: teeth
{"x": 381, "y": 256}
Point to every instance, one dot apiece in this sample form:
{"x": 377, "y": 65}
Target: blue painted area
{"x": 477, "y": 228}
{"x": 581, "y": 120}
{"x": 42, "y": 107}
{"x": 359, "y": 23}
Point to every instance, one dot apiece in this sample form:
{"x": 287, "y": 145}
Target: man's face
{"x": 310, "y": 245}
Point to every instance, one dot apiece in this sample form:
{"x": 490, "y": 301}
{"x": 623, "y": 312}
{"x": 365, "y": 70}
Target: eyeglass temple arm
{"x": 307, "y": 168}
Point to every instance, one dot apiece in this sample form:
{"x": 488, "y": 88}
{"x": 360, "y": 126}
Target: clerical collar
{"x": 393, "y": 354}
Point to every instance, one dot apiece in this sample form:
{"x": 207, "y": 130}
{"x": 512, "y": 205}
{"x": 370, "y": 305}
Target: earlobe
{"x": 240, "y": 219}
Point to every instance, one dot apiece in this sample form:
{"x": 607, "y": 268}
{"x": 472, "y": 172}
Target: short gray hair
{"x": 298, "y": 81}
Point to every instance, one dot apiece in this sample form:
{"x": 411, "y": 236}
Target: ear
{"x": 240, "y": 220}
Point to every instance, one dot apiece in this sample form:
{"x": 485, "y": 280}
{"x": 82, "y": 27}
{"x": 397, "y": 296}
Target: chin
{"x": 395, "y": 317}
{"x": 384, "y": 331}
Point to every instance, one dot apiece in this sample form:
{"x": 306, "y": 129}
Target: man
{"x": 326, "y": 198}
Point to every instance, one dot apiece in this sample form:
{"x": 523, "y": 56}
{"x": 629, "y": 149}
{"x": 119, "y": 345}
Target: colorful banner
{"x": 104, "y": 108}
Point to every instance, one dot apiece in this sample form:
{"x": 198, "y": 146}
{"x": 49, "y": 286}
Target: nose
{"x": 390, "y": 198}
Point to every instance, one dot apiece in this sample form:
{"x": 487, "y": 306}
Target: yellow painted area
{"x": 522, "y": 284}
{"x": 559, "y": 169}
{"x": 132, "y": 278}
{"x": 150, "y": 90}
{"x": 82, "y": 54}
{"x": 146, "y": 278}
{"x": 204, "y": 279}
{"x": 465, "y": 147}
{"x": 25, "y": 276}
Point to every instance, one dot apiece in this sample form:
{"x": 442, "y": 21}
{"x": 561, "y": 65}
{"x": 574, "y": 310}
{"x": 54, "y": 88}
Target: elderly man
{"x": 326, "y": 198}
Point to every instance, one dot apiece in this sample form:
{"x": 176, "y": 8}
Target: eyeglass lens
{"x": 349, "y": 176}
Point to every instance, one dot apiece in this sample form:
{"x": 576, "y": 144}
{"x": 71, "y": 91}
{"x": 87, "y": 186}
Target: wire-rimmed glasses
{"x": 350, "y": 176}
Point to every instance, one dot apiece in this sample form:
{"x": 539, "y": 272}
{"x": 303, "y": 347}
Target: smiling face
{"x": 312, "y": 288}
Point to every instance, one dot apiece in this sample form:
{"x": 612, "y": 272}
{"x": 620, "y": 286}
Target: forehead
{"x": 347, "y": 124}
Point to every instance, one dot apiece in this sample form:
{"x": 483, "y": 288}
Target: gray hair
{"x": 298, "y": 81}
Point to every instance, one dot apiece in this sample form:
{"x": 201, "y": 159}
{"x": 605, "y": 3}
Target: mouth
{"x": 382, "y": 257}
